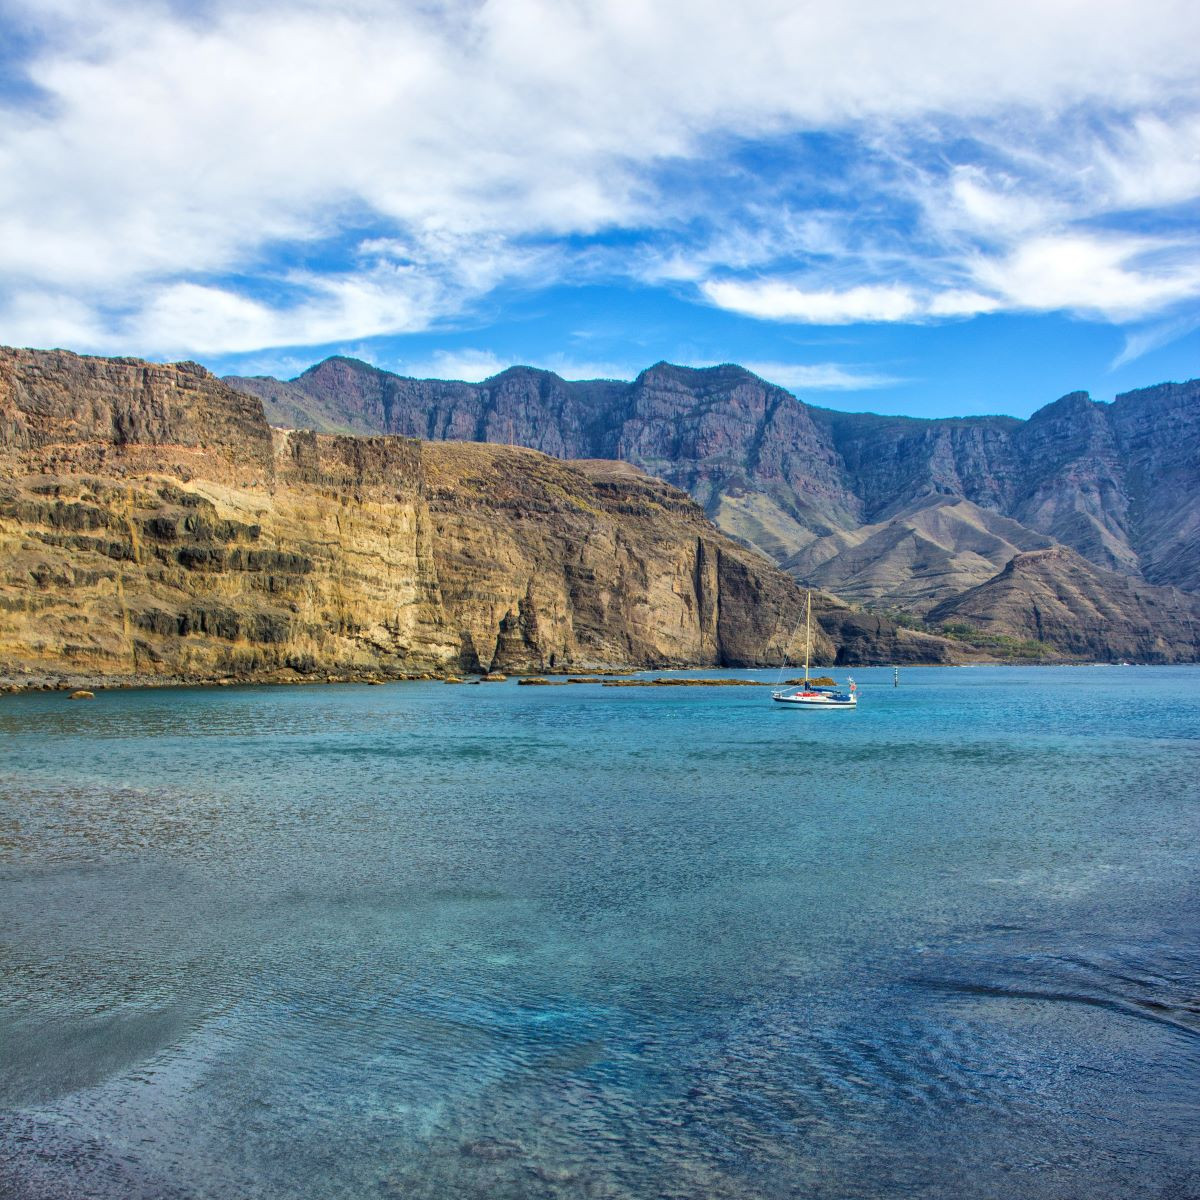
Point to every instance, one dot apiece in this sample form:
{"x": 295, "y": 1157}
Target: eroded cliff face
{"x": 83, "y": 411}
{"x": 1158, "y": 431}
{"x": 919, "y": 557}
{"x": 710, "y": 432}
{"x": 152, "y": 524}
{"x": 122, "y": 569}
{"x": 1119, "y": 483}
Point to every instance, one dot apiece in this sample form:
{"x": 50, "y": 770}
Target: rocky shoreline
{"x": 68, "y": 682}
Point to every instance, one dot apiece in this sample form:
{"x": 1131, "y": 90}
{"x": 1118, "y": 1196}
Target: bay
{"x": 433, "y": 941}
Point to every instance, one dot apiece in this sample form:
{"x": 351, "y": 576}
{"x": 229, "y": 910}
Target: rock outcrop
{"x": 895, "y": 512}
{"x": 927, "y": 553}
{"x": 152, "y": 524}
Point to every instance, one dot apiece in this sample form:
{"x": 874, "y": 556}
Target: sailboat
{"x": 810, "y": 695}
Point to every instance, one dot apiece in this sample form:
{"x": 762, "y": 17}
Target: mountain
{"x": 1119, "y": 483}
{"x": 925, "y": 554}
{"x": 898, "y": 513}
{"x": 705, "y": 431}
{"x": 154, "y": 525}
{"x": 1058, "y": 598}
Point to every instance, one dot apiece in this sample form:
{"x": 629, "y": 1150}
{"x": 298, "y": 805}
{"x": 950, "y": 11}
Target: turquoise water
{"x": 430, "y": 941}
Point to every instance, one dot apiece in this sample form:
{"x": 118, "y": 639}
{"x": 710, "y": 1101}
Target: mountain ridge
{"x": 1115, "y": 481}
{"x": 154, "y": 526}
{"x": 1056, "y": 597}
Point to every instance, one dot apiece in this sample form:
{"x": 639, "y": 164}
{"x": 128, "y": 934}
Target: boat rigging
{"x": 808, "y": 694}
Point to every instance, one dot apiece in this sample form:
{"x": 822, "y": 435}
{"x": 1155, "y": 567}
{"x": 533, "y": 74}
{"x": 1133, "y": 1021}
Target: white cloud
{"x": 1117, "y": 278}
{"x": 471, "y": 366}
{"x": 820, "y": 377}
{"x": 996, "y": 205}
{"x": 1150, "y": 337}
{"x": 1113, "y": 278}
{"x": 1153, "y": 163}
{"x": 582, "y": 368}
{"x": 776, "y": 300}
{"x": 961, "y": 302}
{"x": 176, "y": 152}
{"x": 31, "y": 317}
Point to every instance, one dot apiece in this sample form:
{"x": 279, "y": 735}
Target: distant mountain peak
{"x": 1072, "y": 402}
{"x": 335, "y": 363}
{"x": 706, "y": 375}
{"x": 823, "y": 490}
{"x": 521, "y": 371}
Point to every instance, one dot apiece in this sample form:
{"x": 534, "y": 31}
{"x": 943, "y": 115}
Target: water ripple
{"x": 420, "y": 941}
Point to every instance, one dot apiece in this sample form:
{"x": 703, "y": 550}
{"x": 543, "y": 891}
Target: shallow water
{"x": 430, "y": 941}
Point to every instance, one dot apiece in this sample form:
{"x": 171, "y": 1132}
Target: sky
{"x": 931, "y": 208}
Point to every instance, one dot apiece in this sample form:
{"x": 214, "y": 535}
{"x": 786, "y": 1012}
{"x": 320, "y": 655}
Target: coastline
{"x": 49, "y": 679}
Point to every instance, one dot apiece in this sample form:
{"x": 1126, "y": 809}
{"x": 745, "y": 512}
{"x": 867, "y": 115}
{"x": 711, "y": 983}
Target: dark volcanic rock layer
{"x": 151, "y": 523}
{"x": 1118, "y": 482}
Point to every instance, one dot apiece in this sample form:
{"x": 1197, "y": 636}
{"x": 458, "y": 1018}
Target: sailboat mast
{"x": 807, "y": 634}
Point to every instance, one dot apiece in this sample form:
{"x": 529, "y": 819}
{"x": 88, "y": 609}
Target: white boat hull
{"x": 815, "y": 700}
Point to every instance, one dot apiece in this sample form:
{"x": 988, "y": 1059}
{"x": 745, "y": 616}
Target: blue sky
{"x": 930, "y": 208}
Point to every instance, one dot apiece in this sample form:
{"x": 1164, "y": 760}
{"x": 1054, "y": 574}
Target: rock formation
{"x": 928, "y": 552}
{"x": 1057, "y": 597}
{"x": 152, "y": 524}
{"x": 1117, "y": 482}
{"x": 892, "y": 511}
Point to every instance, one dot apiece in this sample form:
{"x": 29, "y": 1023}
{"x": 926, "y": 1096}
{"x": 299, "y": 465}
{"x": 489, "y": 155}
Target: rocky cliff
{"x": 1119, "y": 483}
{"x": 1058, "y": 598}
{"x": 709, "y": 432}
{"x": 153, "y": 524}
{"x": 925, "y": 554}
{"x": 889, "y": 511}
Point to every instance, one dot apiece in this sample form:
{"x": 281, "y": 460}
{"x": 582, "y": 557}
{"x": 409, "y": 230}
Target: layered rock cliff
{"x": 153, "y": 524}
{"x": 1119, "y": 483}
{"x": 894, "y": 512}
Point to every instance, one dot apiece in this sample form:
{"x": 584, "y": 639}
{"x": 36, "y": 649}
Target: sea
{"x": 466, "y": 942}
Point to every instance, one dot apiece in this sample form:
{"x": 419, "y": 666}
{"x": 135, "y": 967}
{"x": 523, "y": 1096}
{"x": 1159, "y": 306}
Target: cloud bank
{"x": 220, "y": 177}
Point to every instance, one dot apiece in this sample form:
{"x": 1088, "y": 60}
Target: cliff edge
{"x": 153, "y": 525}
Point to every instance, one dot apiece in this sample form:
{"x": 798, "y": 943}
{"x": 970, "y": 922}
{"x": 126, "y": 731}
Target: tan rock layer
{"x": 153, "y": 525}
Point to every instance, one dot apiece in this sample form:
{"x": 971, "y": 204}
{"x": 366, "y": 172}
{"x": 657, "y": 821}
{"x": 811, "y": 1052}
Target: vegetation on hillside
{"x": 998, "y": 645}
